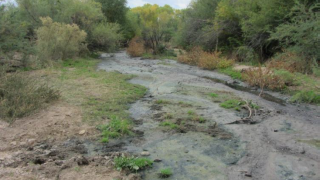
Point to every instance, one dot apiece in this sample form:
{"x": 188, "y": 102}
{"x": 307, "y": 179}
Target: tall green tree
{"x": 114, "y": 10}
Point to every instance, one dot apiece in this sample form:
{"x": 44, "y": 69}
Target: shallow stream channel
{"x": 181, "y": 124}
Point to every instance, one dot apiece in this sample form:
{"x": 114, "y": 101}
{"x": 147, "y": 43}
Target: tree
{"x": 301, "y": 33}
{"x": 158, "y": 24}
{"x": 114, "y": 10}
{"x": 107, "y": 36}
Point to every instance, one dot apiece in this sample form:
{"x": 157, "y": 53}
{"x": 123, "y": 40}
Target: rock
{"x": 13, "y": 143}
{"x": 134, "y": 177}
{"x": 31, "y": 141}
{"x": 82, "y": 161}
{"x": 82, "y": 132}
{"x": 145, "y": 153}
{"x": 157, "y": 160}
{"x": 186, "y": 151}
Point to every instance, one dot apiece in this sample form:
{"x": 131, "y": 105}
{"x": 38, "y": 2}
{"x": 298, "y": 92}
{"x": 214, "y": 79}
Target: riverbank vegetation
{"x": 280, "y": 38}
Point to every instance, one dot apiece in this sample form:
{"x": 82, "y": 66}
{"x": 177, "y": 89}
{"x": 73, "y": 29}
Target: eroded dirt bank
{"x": 189, "y": 132}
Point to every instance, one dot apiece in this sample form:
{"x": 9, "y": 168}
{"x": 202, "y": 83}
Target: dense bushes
{"x": 205, "y": 60}
{"x": 59, "y": 41}
{"x": 21, "y": 95}
{"x": 107, "y": 36}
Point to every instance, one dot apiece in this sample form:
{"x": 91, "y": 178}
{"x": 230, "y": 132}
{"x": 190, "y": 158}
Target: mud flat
{"x": 184, "y": 128}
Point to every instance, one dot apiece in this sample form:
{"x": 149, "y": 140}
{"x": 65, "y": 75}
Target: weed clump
{"x": 115, "y": 129}
{"x": 132, "y": 164}
{"x": 165, "y": 173}
{"x": 21, "y": 95}
{"x": 169, "y": 124}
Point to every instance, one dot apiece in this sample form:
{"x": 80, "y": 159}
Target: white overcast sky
{"x": 177, "y": 4}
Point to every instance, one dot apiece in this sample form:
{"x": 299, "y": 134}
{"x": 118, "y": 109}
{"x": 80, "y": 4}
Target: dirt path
{"x": 283, "y": 144}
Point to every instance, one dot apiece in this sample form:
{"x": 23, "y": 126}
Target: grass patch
{"x": 169, "y": 124}
{"x": 165, "y": 173}
{"x": 237, "y": 104}
{"x": 306, "y": 96}
{"x": 131, "y": 163}
{"x": 161, "y": 101}
{"x": 232, "y": 104}
{"x": 104, "y": 97}
{"x": 231, "y": 72}
{"x": 114, "y": 129}
{"x": 214, "y": 95}
{"x": 21, "y": 94}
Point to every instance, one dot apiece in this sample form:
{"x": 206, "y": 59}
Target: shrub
{"x": 289, "y": 61}
{"x": 107, "y": 36}
{"x": 165, "y": 173}
{"x": 136, "y": 47}
{"x": 263, "y": 78}
{"x": 192, "y": 57}
{"x": 21, "y": 95}
{"x": 59, "y": 41}
{"x": 205, "y": 60}
{"x": 131, "y": 163}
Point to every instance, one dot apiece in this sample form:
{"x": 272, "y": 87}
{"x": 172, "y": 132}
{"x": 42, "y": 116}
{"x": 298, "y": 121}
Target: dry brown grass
{"x": 263, "y": 78}
{"x": 289, "y": 61}
{"x": 136, "y": 47}
{"x": 205, "y": 60}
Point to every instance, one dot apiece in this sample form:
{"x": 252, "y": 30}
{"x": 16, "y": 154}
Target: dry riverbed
{"x": 181, "y": 123}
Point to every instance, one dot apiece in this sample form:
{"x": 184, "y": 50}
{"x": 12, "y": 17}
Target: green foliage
{"x": 106, "y": 36}
{"x": 307, "y": 97}
{"x": 114, "y": 10}
{"x": 231, "y": 72}
{"x": 214, "y": 95}
{"x": 158, "y": 25}
{"x": 115, "y": 129}
{"x": 301, "y": 34}
{"x": 12, "y": 30}
{"x": 59, "y": 41}
{"x": 169, "y": 124}
{"x": 165, "y": 173}
{"x": 232, "y": 104}
{"x": 131, "y": 163}
{"x": 21, "y": 95}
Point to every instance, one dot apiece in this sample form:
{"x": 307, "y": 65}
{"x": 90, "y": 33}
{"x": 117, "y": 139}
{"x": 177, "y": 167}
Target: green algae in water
{"x": 313, "y": 142}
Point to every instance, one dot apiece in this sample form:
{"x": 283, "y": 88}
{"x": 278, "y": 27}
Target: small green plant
{"x": 231, "y": 72}
{"x": 161, "y": 101}
{"x": 132, "y": 163}
{"x": 191, "y": 113}
{"x": 165, "y": 173}
{"x": 77, "y": 169}
{"x": 168, "y": 116}
{"x": 116, "y": 128}
{"x": 202, "y": 120}
{"x": 214, "y": 95}
{"x": 232, "y": 104}
{"x": 169, "y": 124}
